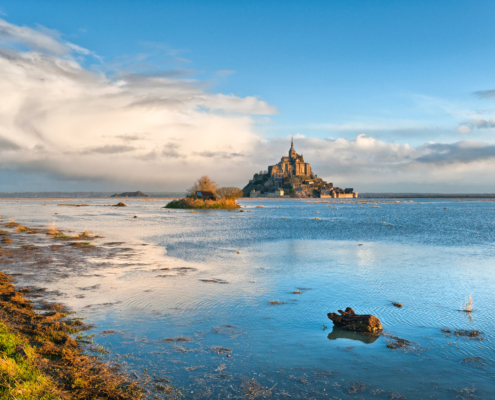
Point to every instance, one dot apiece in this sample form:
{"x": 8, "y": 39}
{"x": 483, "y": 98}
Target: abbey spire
{"x": 292, "y": 151}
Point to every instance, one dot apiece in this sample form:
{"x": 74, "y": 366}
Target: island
{"x": 130, "y": 194}
{"x": 292, "y": 177}
{"x": 205, "y": 194}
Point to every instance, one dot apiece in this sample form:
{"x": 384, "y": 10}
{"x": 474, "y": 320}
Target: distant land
{"x": 130, "y": 194}
{"x": 83, "y": 195}
{"x": 158, "y": 195}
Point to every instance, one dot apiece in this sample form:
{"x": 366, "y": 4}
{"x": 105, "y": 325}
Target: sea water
{"x": 257, "y": 286}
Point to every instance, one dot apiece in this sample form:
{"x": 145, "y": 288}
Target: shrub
{"x": 229, "y": 193}
{"x": 203, "y": 184}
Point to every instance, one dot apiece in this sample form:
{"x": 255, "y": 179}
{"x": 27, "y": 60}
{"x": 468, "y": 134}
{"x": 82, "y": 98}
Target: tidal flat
{"x": 232, "y": 304}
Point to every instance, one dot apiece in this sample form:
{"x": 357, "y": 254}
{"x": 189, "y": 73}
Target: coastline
{"x": 44, "y": 347}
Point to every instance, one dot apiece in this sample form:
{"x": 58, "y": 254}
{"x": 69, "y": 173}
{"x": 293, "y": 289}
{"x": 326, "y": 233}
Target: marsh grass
{"x": 86, "y": 234}
{"x": 276, "y": 302}
{"x": 24, "y": 229}
{"x": 39, "y": 359}
{"x": 12, "y": 224}
{"x": 20, "y": 377}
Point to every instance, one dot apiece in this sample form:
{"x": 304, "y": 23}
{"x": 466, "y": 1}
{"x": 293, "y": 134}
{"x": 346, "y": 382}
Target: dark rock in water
{"x": 130, "y": 194}
{"x": 351, "y": 321}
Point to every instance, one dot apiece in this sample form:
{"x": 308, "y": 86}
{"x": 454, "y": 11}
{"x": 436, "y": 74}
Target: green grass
{"x": 20, "y": 378}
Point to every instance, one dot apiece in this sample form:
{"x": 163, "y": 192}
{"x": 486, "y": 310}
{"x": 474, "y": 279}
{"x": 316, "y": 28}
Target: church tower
{"x": 292, "y": 151}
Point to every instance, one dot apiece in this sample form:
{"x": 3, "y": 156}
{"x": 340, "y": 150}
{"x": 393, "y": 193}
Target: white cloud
{"x": 35, "y": 39}
{"x": 464, "y": 129}
{"x": 69, "y": 121}
{"x": 162, "y": 131}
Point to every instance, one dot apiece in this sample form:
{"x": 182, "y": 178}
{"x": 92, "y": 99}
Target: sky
{"x": 381, "y": 96}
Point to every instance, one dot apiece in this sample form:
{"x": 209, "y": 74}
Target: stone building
{"x": 292, "y": 177}
{"x": 293, "y": 165}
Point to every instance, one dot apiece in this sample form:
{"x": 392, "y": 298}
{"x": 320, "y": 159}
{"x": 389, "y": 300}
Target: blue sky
{"x": 401, "y": 72}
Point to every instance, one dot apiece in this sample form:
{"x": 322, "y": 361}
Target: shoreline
{"x": 41, "y": 358}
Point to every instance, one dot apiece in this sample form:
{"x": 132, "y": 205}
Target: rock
{"x": 351, "y": 321}
{"x": 20, "y": 350}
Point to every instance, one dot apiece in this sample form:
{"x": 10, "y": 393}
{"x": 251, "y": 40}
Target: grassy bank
{"x": 39, "y": 359}
{"x": 189, "y": 203}
{"x": 21, "y": 378}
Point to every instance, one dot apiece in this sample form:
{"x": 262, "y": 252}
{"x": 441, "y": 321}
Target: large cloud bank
{"x": 59, "y": 117}
{"x": 162, "y": 131}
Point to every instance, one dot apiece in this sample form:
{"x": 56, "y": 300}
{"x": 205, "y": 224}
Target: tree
{"x": 204, "y": 184}
{"x": 229, "y": 193}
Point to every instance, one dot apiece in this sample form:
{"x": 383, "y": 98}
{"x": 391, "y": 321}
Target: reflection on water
{"x": 257, "y": 285}
{"x": 338, "y": 333}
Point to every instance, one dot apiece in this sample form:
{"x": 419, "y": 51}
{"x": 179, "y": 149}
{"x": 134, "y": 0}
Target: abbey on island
{"x": 292, "y": 177}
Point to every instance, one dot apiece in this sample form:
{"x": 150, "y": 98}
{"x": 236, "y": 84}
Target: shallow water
{"x": 428, "y": 255}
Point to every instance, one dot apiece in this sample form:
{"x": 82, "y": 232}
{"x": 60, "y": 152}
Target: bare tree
{"x": 203, "y": 184}
{"x": 230, "y": 193}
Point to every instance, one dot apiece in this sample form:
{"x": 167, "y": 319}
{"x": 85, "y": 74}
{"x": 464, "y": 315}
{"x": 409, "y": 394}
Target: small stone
{"x": 20, "y": 350}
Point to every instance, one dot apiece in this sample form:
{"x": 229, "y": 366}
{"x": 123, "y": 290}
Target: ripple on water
{"x": 423, "y": 256}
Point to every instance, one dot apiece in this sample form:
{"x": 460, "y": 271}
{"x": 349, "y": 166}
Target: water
{"x": 428, "y": 255}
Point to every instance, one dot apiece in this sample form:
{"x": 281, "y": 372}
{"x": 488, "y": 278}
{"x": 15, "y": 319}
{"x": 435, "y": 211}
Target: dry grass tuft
{"x": 52, "y": 230}
{"x": 468, "y": 304}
